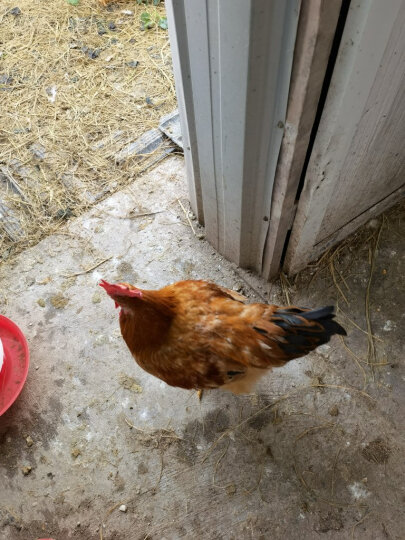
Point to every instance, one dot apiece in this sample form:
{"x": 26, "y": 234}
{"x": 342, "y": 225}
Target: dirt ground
{"x": 316, "y": 452}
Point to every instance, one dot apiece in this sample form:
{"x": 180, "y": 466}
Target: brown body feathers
{"x": 195, "y": 334}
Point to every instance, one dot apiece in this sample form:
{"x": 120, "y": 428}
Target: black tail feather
{"x": 306, "y": 329}
{"x": 325, "y": 316}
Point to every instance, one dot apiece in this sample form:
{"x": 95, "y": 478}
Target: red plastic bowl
{"x": 15, "y": 363}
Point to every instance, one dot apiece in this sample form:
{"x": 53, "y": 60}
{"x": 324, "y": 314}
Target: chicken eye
{"x": 233, "y": 373}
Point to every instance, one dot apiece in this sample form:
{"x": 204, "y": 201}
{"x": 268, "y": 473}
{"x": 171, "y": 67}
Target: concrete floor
{"x": 309, "y": 455}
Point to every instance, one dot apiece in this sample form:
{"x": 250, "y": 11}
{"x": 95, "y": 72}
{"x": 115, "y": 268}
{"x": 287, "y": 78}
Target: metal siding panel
{"x": 181, "y": 68}
{"x": 230, "y": 114}
{"x": 198, "y": 26}
{"x": 273, "y": 31}
{"x": 240, "y": 56}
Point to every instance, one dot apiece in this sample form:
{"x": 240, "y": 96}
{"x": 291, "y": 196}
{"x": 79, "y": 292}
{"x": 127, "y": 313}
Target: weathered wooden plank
{"x": 9, "y": 182}
{"x": 73, "y": 184}
{"x": 108, "y": 141}
{"x": 358, "y": 221}
{"x": 39, "y": 150}
{"x": 28, "y": 174}
{"x": 170, "y": 126}
{"x": 316, "y": 30}
{"x": 357, "y": 160}
{"x": 10, "y": 222}
{"x": 375, "y": 162}
{"x": 147, "y": 143}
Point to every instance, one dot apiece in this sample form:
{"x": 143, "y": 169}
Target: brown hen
{"x": 198, "y": 335}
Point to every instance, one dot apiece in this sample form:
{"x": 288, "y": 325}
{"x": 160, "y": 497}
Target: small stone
{"x": 63, "y": 213}
{"x": 231, "y": 489}
{"x": 91, "y": 53}
{"x": 373, "y": 224}
{"x": 50, "y": 475}
{"x": 389, "y": 325}
{"x": 323, "y": 350}
{"x": 26, "y": 470}
{"x": 75, "y": 452}
{"x": 200, "y": 236}
{"x": 122, "y": 508}
{"x": 112, "y": 26}
{"x": 132, "y": 63}
{"x": 29, "y": 441}
{"x": 96, "y": 298}
{"x": 15, "y": 11}
{"x": 41, "y": 302}
{"x": 334, "y": 411}
{"x": 101, "y": 30}
{"x": 36, "y": 367}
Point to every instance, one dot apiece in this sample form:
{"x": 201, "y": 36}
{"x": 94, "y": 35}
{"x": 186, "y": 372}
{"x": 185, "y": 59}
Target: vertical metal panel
{"x": 181, "y": 69}
{"x": 239, "y": 65}
{"x": 356, "y": 167}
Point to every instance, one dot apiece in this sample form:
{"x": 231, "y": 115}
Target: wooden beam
{"x": 316, "y": 30}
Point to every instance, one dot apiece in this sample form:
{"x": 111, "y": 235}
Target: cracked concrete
{"x": 316, "y": 452}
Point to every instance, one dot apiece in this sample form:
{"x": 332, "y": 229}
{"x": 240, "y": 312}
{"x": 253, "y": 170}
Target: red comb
{"x": 117, "y": 289}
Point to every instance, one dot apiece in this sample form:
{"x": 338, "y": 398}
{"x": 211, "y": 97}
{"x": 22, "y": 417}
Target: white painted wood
{"x": 357, "y": 161}
{"x": 232, "y": 68}
{"x": 358, "y": 221}
{"x": 316, "y": 30}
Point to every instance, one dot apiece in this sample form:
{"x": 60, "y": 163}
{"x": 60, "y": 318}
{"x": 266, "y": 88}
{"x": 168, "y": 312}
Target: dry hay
{"x": 77, "y": 84}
